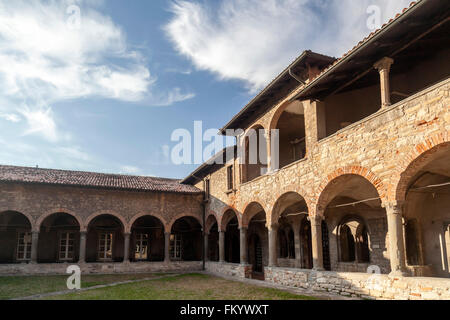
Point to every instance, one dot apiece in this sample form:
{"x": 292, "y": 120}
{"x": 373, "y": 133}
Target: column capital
{"x": 394, "y": 207}
{"x": 316, "y": 219}
{"x": 384, "y": 64}
{"x": 127, "y": 234}
{"x": 273, "y": 226}
{"x": 243, "y": 228}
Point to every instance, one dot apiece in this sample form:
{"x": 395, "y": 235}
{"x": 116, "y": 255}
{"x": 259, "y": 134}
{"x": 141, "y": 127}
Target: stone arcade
{"x": 363, "y": 180}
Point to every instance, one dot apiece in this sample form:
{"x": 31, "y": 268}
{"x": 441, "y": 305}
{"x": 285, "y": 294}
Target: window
{"x": 66, "y": 246}
{"x": 105, "y": 245}
{"x": 207, "y": 190}
{"x": 24, "y": 246}
{"x": 141, "y": 251}
{"x": 230, "y": 180}
{"x": 175, "y": 246}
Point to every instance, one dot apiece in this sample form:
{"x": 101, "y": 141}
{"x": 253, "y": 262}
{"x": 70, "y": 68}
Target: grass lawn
{"x": 22, "y": 286}
{"x": 184, "y": 287}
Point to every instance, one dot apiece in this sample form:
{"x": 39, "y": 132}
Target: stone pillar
{"x": 206, "y": 244}
{"x": 83, "y": 236}
{"x": 126, "y": 248}
{"x": 297, "y": 244}
{"x": 243, "y": 247}
{"x": 317, "y": 248}
{"x": 384, "y": 67}
{"x": 273, "y": 246}
{"x": 167, "y": 247}
{"x": 34, "y": 246}
{"x": 221, "y": 246}
{"x": 396, "y": 239}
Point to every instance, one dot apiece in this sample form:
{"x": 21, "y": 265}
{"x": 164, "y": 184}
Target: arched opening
{"x": 257, "y": 239}
{"x": 105, "y": 240}
{"x": 255, "y": 151}
{"x": 291, "y": 126}
{"x": 15, "y": 238}
{"x": 355, "y": 225}
{"x": 288, "y": 212}
{"x": 147, "y": 239}
{"x": 186, "y": 240}
{"x": 232, "y": 237}
{"x": 59, "y": 239}
{"x": 427, "y": 213}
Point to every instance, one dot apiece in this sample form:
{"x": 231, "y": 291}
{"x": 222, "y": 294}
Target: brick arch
{"x": 245, "y": 215}
{"x": 49, "y": 213}
{"x": 221, "y": 221}
{"x": 211, "y": 213}
{"x": 276, "y": 116}
{"x": 179, "y": 216}
{"x": 333, "y": 177}
{"x": 26, "y": 215}
{"x": 105, "y": 212}
{"x": 293, "y": 188}
{"x": 414, "y": 160}
{"x": 144, "y": 214}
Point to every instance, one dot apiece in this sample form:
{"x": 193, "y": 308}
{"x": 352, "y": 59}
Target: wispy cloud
{"x": 253, "y": 40}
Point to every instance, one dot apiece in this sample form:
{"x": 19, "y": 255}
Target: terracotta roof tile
{"x": 93, "y": 180}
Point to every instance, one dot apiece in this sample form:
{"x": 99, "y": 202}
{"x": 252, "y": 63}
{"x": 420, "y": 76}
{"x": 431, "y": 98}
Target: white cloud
{"x": 46, "y": 57}
{"x": 253, "y": 40}
{"x": 40, "y": 122}
{"x": 10, "y": 117}
{"x": 130, "y": 170}
{"x": 171, "y": 97}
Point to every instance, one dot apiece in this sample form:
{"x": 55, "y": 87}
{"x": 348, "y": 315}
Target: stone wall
{"x": 228, "y": 269}
{"x": 101, "y": 268}
{"x": 379, "y": 148}
{"x": 362, "y": 285}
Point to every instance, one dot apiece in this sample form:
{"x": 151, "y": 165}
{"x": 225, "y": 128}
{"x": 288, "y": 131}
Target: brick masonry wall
{"x": 361, "y": 285}
{"x": 39, "y": 201}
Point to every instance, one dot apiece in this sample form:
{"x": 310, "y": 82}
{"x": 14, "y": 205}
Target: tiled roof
{"x": 363, "y": 41}
{"x": 93, "y": 180}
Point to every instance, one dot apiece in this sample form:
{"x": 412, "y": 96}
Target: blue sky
{"x": 106, "y": 94}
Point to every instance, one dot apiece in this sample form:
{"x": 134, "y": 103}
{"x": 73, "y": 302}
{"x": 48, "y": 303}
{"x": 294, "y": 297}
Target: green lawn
{"x": 184, "y": 287}
{"x": 21, "y": 286}
{"x": 164, "y": 287}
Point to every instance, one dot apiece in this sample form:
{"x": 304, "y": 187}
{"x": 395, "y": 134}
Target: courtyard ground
{"x": 192, "y": 286}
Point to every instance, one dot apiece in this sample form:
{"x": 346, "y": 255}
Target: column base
{"x": 318, "y": 269}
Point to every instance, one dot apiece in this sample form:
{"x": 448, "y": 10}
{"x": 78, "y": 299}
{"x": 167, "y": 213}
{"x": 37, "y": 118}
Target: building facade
{"x": 359, "y": 181}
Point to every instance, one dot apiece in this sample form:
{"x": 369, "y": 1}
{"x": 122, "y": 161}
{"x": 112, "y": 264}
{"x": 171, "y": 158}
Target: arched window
{"x": 353, "y": 241}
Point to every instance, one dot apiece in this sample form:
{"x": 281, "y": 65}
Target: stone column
{"x": 384, "y": 67}
{"x": 243, "y": 245}
{"x": 396, "y": 244}
{"x": 34, "y": 246}
{"x": 167, "y": 247}
{"x": 206, "y": 244}
{"x": 317, "y": 248}
{"x": 273, "y": 246}
{"x": 221, "y": 246}
{"x": 83, "y": 236}
{"x": 126, "y": 248}
{"x": 297, "y": 244}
